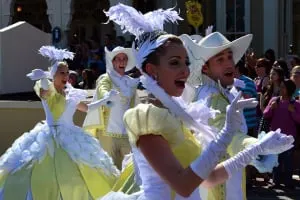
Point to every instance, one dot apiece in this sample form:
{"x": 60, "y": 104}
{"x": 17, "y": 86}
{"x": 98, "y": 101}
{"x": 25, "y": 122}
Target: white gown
{"x": 153, "y": 187}
{"x": 48, "y": 138}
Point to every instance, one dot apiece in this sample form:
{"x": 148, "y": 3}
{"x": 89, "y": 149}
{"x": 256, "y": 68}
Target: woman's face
{"x": 61, "y": 76}
{"x": 283, "y": 90}
{"x": 72, "y": 79}
{"x": 173, "y": 70}
{"x": 274, "y": 76}
{"x": 296, "y": 79}
{"x": 260, "y": 70}
{"x": 84, "y": 75}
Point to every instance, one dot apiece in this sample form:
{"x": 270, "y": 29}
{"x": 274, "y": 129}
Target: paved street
{"x": 265, "y": 192}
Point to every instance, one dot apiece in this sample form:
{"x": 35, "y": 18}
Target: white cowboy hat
{"x": 211, "y": 45}
{"x": 195, "y": 63}
{"x": 109, "y": 56}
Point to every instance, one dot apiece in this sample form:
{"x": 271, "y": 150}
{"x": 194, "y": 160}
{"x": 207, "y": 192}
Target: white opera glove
{"x": 107, "y": 100}
{"x": 239, "y": 83}
{"x": 234, "y": 119}
{"x": 44, "y": 84}
{"x": 234, "y": 112}
{"x": 272, "y": 142}
{"x": 210, "y": 157}
{"x": 38, "y": 74}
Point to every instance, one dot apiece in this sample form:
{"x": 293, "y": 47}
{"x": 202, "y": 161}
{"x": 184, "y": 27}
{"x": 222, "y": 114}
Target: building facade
{"x": 274, "y": 23}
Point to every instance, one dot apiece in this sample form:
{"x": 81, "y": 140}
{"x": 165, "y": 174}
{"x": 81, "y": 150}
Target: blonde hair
{"x": 295, "y": 70}
{"x": 62, "y": 64}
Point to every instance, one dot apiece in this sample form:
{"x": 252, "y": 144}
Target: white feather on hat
{"x": 55, "y": 56}
{"x": 137, "y": 24}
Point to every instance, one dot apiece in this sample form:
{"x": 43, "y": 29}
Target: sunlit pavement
{"x": 264, "y": 191}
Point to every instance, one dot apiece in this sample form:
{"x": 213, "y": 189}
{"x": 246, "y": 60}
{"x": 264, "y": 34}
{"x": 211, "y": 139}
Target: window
{"x": 234, "y": 19}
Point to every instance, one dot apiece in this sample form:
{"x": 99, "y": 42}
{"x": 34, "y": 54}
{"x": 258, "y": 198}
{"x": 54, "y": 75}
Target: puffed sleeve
{"x": 147, "y": 119}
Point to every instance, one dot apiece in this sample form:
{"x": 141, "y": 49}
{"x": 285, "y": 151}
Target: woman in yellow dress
{"x": 170, "y": 162}
{"x": 57, "y": 160}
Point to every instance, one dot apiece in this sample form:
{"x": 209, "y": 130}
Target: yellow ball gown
{"x": 56, "y": 159}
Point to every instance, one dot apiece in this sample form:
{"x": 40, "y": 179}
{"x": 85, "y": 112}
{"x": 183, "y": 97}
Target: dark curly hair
{"x": 268, "y": 92}
{"x": 290, "y": 86}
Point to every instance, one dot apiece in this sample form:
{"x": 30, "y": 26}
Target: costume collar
{"x": 126, "y": 84}
{"x": 207, "y": 81}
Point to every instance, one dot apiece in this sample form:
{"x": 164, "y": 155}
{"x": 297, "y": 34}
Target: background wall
{"x": 17, "y": 117}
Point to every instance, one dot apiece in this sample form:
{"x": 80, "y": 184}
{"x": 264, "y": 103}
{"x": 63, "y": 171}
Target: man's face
{"x": 120, "y": 62}
{"x": 221, "y": 67}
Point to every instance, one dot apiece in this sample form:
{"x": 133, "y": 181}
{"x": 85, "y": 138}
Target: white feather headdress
{"x": 137, "y": 23}
{"x": 55, "y": 55}
{"x": 145, "y": 27}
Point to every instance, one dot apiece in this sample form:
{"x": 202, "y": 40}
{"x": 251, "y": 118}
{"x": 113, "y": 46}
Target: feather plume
{"x": 158, "y": 17}
{"x": 136, "y": 23}
{"x": 55, "y": 54}
{"x": 209, "y": 30}
{"x": 147, "y": 48}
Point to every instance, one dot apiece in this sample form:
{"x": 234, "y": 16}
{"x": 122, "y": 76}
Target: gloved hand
{"x": 273, "y": 142}
{"x": 107, "y": 100}
{"x": 37, "y": 74}
{"x": 44, "y": 84}
{"x": 210, "y": 157}
{"x": 234, "y": 116}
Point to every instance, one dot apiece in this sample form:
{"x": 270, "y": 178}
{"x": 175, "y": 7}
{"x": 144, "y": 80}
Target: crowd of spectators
{"x": 276, "y": 85}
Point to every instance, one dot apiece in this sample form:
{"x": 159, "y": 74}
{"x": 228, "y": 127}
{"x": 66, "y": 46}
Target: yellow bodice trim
{"x": 55, "y": 101}
{"x": 148, "y": 119}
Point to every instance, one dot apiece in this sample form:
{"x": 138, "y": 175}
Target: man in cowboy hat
{"x": 107, "y": 124}
{"x": 213, "y": 61}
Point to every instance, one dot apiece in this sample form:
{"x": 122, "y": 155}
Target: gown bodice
{"x": 148, "y": 119}
{"x": 72, "y": 98}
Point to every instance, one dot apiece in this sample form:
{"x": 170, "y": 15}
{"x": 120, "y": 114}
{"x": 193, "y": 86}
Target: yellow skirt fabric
{"x": 54, "y": 178}
{"x": 56, "y": 163}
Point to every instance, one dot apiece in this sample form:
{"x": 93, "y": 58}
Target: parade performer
{"x": 212, "y": 67}
{"x": 170, "y": 161}
{"x": 106, "y": 123}
{"x": 56, "y": 159}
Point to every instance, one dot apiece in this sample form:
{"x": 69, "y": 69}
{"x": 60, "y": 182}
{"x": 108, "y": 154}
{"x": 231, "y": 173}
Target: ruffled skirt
{"x": 56, "y": 162}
